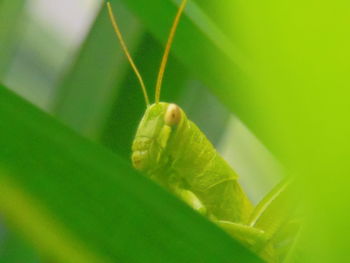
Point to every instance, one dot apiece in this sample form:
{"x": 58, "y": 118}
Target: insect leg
{"x": 192, "y": 200}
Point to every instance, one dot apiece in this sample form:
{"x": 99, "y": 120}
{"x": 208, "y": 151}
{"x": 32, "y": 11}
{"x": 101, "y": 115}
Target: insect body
{"x": 172, "y": 151}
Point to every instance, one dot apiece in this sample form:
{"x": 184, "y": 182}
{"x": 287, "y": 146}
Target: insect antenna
{"x": 126, "y": 51}
{"x": 167, "y": 50}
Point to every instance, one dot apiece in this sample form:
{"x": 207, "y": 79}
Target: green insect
{"x": 173, "y": 152}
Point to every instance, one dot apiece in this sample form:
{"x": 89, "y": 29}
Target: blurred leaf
{"x": 300, "y": 101}
{"x": 14, "y": 249}
{"x": 10, "y": 12}
{"x": 90, "y": 86}
{"x": 77, "y": 202}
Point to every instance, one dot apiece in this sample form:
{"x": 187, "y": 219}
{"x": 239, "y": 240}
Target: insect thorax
{"x": 194, "y": 164}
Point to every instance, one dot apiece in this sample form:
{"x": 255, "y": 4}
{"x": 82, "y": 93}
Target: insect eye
{"x": 172, "y": 115}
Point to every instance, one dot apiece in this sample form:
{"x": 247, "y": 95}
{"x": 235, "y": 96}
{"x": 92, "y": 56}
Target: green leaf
{"x": 77, "y": 202}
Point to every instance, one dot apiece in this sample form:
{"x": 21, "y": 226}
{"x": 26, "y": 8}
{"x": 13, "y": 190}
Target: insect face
{"x": 151, "y": 140}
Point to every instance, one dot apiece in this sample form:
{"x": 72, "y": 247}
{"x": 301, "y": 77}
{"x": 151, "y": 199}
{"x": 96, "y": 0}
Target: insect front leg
{"x": 175, "y": 184}
{"x": 191, "y": 199}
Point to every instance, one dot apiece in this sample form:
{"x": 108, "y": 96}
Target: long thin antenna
{"x": 167, "y": 49}
{"x": 126, "y": 51}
